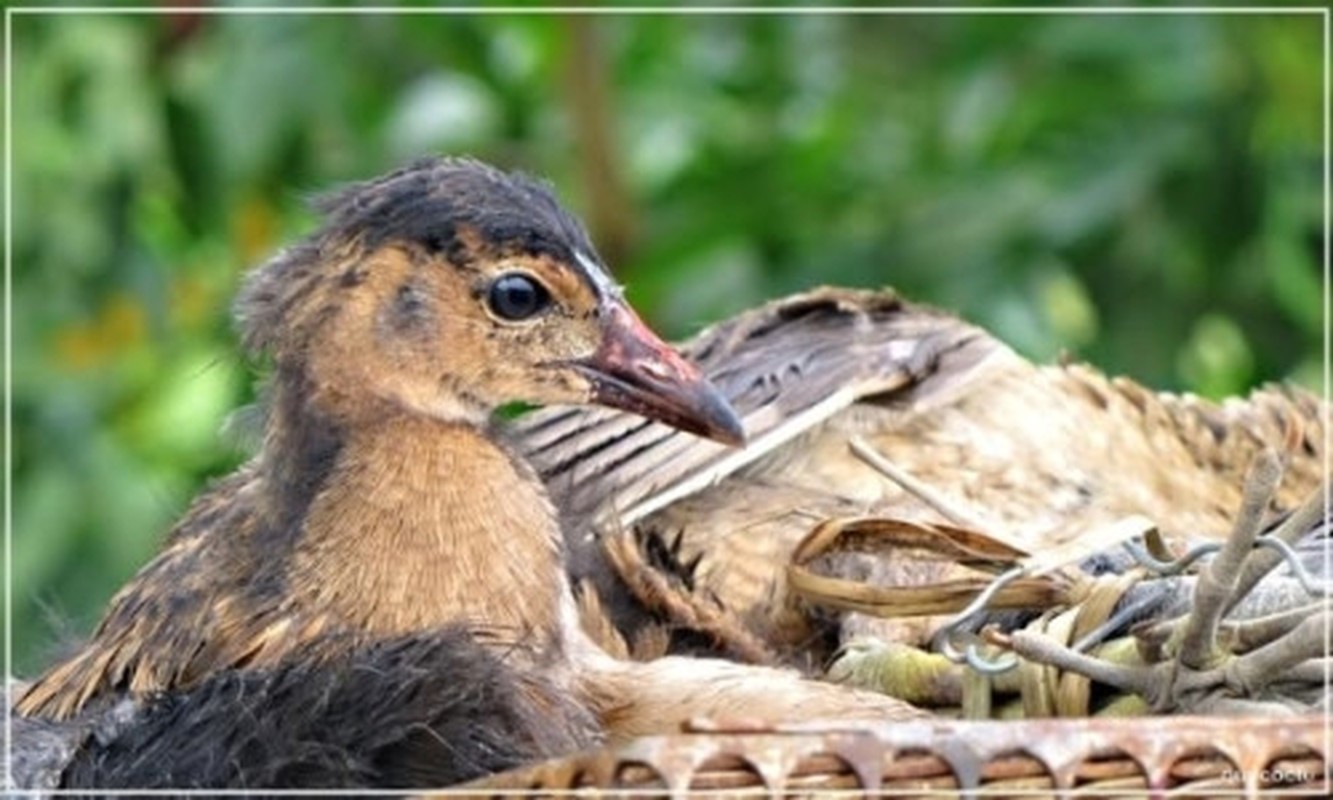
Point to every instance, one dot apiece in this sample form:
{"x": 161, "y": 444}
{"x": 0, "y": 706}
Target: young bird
{"x": 383, "y": 506}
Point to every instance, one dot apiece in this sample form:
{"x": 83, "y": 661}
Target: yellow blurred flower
{"x": 120, "y": 324}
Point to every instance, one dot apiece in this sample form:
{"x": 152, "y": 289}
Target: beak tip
{"x": 728, "y": 430}
{"x": 714, "y": 417}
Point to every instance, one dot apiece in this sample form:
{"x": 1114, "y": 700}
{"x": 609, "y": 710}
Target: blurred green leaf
{"x": 1216, "y": 357}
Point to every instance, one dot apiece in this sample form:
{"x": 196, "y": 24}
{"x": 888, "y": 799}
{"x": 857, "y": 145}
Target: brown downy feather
{"x": 380, "y": 504}
{"x": 389, "y": 547}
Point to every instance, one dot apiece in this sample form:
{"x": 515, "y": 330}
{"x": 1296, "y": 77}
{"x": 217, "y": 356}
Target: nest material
{"x": 1274, "y": 663}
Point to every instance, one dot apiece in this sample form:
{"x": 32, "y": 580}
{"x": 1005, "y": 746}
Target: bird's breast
{"x": 423, "y": 524}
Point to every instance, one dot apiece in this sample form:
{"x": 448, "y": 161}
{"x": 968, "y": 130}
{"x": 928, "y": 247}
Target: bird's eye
{"x": 516, "y": 296}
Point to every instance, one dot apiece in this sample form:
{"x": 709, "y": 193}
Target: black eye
{"x": 515, "y": 296}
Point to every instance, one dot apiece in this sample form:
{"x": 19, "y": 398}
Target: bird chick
{"x": 382, "y": 503}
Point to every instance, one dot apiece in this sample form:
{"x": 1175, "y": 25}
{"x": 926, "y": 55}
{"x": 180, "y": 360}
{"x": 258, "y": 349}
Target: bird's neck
{"x": 403, "y": 523}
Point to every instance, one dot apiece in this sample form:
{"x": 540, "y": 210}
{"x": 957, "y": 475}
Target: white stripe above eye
{"x": 602, "y": 285}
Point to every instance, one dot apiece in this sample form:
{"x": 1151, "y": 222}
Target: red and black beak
{"x": 636, "y": 371}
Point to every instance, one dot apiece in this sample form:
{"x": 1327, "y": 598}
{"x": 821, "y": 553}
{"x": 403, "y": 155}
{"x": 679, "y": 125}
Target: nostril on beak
{"x": 655, "y": 369}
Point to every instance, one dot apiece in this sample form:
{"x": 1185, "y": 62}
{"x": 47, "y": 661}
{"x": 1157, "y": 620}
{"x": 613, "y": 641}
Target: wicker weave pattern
{"x": 1179, "y": 756}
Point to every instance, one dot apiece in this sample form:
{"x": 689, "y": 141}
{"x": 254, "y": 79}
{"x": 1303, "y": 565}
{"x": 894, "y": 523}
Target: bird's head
{"x": 450, "y": 288}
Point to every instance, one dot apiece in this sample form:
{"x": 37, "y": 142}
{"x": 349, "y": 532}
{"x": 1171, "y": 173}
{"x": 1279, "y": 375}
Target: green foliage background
{"x": 1143, "y": 192}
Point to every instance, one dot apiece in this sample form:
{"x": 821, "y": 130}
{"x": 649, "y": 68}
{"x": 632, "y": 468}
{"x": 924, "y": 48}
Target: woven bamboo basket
{"x": 1185, "y": 756}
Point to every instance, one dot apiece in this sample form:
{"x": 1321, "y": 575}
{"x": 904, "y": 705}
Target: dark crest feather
{"x": 427, "y": 204}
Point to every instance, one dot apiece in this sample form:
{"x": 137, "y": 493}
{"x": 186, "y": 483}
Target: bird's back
{"x": 1040, "y": 453}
